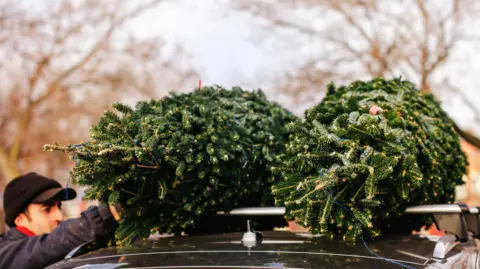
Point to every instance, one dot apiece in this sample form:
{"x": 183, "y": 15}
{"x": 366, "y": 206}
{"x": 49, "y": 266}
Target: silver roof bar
{"x": 421, "y": 209}
{"x": 255, "y": 211}
{"x": 441, "y": 208}
{"x": 454, "y": 218}
{"x": 431, "y": 209}
{"x": 444, "y": 215}
{"x": 457, "y": 220}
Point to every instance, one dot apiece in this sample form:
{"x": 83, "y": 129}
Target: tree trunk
{"x": 2, "y": 220}
{"x": 9, "y": 172}
{"x": 7, "y": 168}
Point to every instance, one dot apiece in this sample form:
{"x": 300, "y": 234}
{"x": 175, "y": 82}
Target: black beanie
{"x": 22, "y": 191}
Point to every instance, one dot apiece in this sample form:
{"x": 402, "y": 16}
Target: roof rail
{"x": 459, "y": 221}
{"x": 255, "y": 211}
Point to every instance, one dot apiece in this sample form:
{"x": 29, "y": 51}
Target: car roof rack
{"x": 459, "y": 222}
{"x": 255, "y": 211}
{"x": 457, "y": 219}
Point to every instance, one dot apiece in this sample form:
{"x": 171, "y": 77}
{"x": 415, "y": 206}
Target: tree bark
{"x": 2, "y": 220}
{"x": 7, "y": 167}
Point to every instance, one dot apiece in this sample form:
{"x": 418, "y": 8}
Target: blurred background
{"x": 62, "y": 63}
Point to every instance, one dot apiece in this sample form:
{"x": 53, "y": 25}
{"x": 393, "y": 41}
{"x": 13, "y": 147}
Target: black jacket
{"x": 17, "y": 251}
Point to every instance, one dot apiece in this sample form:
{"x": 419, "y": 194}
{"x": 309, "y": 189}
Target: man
{"x": 38, "y": 234}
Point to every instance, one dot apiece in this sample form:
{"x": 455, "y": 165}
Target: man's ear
{"x": 22, "y": 219}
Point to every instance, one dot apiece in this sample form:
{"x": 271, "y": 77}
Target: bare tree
{"x": 63, "y": 63}
{"x": 359, "y": 39}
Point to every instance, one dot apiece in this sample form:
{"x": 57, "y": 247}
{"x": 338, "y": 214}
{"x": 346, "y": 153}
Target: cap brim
{"x": 59, "y": 194}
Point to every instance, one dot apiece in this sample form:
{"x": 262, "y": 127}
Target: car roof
{"x": 278, "y": 249}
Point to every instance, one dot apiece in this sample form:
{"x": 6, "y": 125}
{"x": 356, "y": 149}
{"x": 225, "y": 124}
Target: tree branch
{"x": 115, "y": 23}
{"x": 32, "y": 81}
{"x": 470, "y": 138}
{"x": 21, "y": 131}
{"x": 468, "y": 101}
{"x": 352, "y": 22}
{"x": 27, "y": 114}
{"x": 425, "y": 53}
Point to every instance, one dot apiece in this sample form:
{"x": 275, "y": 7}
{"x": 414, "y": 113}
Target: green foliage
{"x": 174, "y": 161}
{"x": 375, "y": 164}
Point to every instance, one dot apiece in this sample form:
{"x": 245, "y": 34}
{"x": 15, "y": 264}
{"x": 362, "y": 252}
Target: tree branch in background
{"x": 415, "y": 41}
{"x": 469, "y": 137}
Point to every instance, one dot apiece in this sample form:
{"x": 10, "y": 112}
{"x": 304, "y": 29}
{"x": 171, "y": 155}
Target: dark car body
{"x": 278, "y": 249}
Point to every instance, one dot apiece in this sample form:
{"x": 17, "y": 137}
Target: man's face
{"x": 41, "y": 218}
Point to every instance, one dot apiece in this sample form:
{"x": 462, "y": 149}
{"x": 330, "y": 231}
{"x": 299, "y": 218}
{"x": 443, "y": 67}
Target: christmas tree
{"x": 173, "y": 162}
{"x": 364, "y": 154}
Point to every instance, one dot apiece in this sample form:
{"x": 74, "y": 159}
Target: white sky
{"x": 219, "y": 40}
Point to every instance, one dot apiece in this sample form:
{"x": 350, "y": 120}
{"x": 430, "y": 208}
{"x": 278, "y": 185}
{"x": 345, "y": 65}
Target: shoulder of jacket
{"x": 11, "y": 235}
